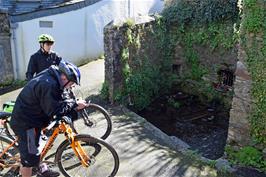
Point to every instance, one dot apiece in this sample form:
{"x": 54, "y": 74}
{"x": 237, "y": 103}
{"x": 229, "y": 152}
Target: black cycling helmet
{"x": 70, "y": 70}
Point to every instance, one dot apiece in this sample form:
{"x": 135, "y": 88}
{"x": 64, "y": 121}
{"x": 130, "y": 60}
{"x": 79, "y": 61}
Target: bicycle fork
{"x": 78, "y": 150}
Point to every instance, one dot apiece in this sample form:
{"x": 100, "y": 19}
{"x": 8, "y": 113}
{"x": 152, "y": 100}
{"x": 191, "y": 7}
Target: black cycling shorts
{"x": 28, "y": 142}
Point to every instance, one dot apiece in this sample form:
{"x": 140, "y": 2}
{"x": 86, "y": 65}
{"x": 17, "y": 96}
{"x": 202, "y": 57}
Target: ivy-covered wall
{"x": 135, "y": 69}
{"x": 253, "y": 42}
{"x": 204, "y": 37}
{"x": 197, "y": 36}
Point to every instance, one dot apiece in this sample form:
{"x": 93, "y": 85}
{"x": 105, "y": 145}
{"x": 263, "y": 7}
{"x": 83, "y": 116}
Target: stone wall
{"x": 235, "y": 59}
{"x": 113, "y": 45}
{"x": 247, "y": 116}
{"x": 6, "y": 67}
{"x": 117, "y": 45}
{"x": 239, "y": 126}
{"x": 200, "y": 64}
{"x": 154, "y": 49}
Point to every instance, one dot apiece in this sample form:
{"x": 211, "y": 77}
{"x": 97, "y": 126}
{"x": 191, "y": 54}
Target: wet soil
{"x": 203, "y": 126}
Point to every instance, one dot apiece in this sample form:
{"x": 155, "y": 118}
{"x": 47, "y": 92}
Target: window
{"x": 46, "y": 24}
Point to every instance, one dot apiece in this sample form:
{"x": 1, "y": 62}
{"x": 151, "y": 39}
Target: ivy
{"x": 253, "y": 38}
{"x": 200, "y": 12}
{"x": 144, "y": 79}
{"x": 104, "y": 92}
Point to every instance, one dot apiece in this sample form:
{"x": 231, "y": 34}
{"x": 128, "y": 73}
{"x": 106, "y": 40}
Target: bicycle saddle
{"x": 4, "y": 115}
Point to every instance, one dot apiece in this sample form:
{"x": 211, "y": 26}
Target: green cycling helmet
{"x": 45, "y": 38}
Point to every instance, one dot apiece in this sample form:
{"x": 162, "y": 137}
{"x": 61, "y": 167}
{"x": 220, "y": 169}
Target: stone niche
{"x": 6, "y": 67}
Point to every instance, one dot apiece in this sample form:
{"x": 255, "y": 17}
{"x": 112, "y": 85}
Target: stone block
{"x": 242, "y": 72}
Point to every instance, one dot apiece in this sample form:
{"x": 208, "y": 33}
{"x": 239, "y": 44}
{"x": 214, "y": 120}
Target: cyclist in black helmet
{"x": 43, "y": 58}
{"x": 38, "y": 102}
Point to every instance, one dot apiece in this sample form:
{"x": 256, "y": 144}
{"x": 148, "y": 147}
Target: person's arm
{"x": 56, "y": 58}
{"x": 52, "y": 103}
{"x": 31, "y": 69}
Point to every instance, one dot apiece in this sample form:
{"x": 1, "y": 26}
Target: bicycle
{"x": 76, "y": 154}
{"x": 93, "y": 116}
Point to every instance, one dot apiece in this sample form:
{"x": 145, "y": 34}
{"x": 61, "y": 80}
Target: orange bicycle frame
{"x": 75, "y": 145}
{"x": 6, "y": 149}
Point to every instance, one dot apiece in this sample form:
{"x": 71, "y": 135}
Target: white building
{"x": 77, "y": 27}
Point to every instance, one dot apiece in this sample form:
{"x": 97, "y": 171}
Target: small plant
{"x": 105, "y": 91}
{"x": 130, "y": 22}
{"x": 101, "y": 56}
{"x": 212, "y": 163}
{"x": 247, "y": 156}
{"x": 14, "y": 83}
{"x": 174, "y": 103}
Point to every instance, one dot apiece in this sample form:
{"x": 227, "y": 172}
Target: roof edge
{"x": 51, "y": 11}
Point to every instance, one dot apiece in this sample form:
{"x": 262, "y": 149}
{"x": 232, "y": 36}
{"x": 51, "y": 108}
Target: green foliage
{"x": 143, "y": 85}
{"x": 213, "y": 36}
{"x": 129, "y": 23}
{"x": 105, "y": 91}
{"x": 6, "y": 83}
{"x": 13, "y": 83}
{"x": 174, "y": 103}
{"x": 254, "y": 22}
{"x": 144, "y": 80}
{"x": 200, "y": 12}
{"x": 253, "y": 38}
{"x": 247, "y": 156}
{"x": 196, "y": 71}
{"x": 101, "y": 56}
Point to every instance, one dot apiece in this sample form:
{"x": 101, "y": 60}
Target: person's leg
{"x": 28, "y": 141}
{"x": 25, "y": 171}
{"x": 28, "y": 150}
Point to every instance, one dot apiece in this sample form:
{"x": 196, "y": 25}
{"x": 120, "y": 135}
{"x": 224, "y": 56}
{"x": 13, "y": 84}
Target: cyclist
{"x": 43, "y": 58}
{"x": 37, "y": 103}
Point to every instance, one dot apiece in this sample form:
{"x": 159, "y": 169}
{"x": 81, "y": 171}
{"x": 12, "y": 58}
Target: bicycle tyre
{"x": 99, "y": 165}
{"x": 11, "y": 157}
{"x": 8, "y": 131}
{"x": 99, "y": 119}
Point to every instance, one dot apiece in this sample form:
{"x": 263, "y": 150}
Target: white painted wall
{"x": 79, "y": 33}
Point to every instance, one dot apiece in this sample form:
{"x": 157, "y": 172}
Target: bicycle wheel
{"x": 95, "y": 121}
{"x": 10, "y": 159}
{"x": 7, "y": 129}
{"x": 104, "y": 160}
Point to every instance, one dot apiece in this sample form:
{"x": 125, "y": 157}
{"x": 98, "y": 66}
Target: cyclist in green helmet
{"x": 43, "y": 58}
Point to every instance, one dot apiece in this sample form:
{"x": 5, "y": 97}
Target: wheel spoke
{"x": 103, "y": 158}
